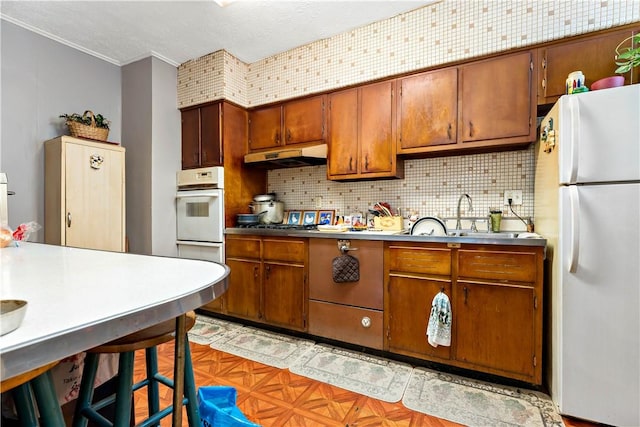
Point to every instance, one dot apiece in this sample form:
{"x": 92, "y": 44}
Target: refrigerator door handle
{"x": 574, "y": 228}
{"x": 574, "y": 129}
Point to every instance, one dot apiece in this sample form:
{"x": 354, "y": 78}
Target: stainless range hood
{"x": 289, "y": 157}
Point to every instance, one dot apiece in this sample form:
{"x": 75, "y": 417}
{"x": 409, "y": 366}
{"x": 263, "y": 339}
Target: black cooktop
{"x": 280, "y": 226}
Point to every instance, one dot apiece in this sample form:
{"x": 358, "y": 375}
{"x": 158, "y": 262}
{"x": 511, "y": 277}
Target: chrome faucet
{"x": 458, "y": 225}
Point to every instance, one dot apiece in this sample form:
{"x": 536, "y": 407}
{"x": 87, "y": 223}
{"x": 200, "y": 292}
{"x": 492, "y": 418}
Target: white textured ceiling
{"x": 177, "y": 31}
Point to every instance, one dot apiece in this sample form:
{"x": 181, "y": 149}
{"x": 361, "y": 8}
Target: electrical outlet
{"x": 514, "y": 195}
{"x": 318, "y": 202}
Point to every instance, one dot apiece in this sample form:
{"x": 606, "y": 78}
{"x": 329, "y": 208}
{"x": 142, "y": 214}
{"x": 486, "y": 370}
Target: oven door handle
{"x": 205, "y": 196}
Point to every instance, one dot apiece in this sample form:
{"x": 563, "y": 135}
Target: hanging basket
{"x": 91, "y": 131}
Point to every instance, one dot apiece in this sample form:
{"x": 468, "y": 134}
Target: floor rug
{"x": 477, "y": 403}
{"x": 272, "y": 349}
{"x": 207, "y": 330}
{"x": 368, "y": 375}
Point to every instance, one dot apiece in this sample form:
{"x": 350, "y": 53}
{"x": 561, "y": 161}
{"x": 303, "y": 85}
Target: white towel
{"x": 439, "y": 326}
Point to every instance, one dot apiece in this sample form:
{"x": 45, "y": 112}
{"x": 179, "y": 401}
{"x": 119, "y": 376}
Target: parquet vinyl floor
{"x": 276, "y": 397}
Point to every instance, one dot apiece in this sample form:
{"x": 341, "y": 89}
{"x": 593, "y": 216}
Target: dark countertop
{"x": 490, "y": 239}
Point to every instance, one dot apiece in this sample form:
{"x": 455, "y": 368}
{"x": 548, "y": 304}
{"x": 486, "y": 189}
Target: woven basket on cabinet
{"x": 92, "y": 131}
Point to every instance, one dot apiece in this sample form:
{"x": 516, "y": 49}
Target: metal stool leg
{"x": 47, "y": 400}
{"x": 124, "y": 389}
{"x": 25, "y": 406}
{"x": 190, "y": 388}
{"x": 85, "y": 395}
{"x": 153, "y": 392}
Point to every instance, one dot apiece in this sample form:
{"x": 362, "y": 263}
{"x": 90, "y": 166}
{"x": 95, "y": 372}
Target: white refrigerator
{"x": 587, "y": 205}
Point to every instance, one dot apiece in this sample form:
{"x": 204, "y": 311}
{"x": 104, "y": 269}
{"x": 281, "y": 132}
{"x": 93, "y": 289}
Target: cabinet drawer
{"x": 414, "y": 259}
{"x": 292, "y": 250}
{"x": 498, "y": 265}
{"x": 242, "y": 248}
{"x": 345, "y": 323}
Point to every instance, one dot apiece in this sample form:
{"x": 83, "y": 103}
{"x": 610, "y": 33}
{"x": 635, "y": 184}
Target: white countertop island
{"x": 81, "y": 298}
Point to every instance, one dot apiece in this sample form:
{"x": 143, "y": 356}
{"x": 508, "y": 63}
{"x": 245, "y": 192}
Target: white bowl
{"x": 12, "y": 312}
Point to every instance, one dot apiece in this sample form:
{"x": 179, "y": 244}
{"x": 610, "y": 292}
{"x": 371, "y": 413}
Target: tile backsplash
{"x": 440, "y": 33}
{"x": 431, "y": 187}
{"x": 443, "y": 32}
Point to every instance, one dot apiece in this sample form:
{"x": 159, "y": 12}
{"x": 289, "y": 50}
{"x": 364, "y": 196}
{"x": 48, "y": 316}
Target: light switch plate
{"x": 514, "y": 195}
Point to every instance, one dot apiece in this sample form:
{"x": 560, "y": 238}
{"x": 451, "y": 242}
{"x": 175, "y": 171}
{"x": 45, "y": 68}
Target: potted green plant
{"x": 87, "y": 125}
{"x": 629, "y": 56}
{"x": 626, "y": 58}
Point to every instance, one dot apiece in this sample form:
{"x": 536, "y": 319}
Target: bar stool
{"x": 126, "y": 347}
{"x": 39, "y": 380}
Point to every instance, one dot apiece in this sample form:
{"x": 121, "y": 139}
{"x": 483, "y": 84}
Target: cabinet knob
{"x": 288, "y": 135}
{"x": 366, "y": 322}
{"x": 471, "y": 128}
{"x": 68, "y": 219}
{"x": 449, "y": 131}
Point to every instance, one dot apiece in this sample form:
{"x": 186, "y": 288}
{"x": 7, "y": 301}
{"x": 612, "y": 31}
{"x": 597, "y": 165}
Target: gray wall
{"x": 167, "y": 154}
{"x": 42, "y": 79}
{"x": 151, "y": 131}
{"x": 136, "y": 132}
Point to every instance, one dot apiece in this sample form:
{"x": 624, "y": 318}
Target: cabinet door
{"x": 409, "y": 306}
{"x": 376, "y": 130}
{"x": 210, "y": 136}
{"x": 304, "y": 120}
{"x": 284, "y": 296}
{"x": 94, "y": 198}
{"x": 264, "y": 128}
{"x": 243, "y": 295}
{"x": 496, "y": 99}
{"x": 593, "y": 56}
{"x": 427, "y": 110}
{"x": 342, "y": 158}
{"x": 191, "y": 138}
{"x": 495, "y": 328}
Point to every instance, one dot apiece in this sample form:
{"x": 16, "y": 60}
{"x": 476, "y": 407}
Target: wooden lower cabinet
{"x": 267, "y": 282}
{"x": 496, "y": 300}
{"x": 495, "y": 293}
{"x": 408, "y": 305}
{"x": 495, "y": 328}
{"x": 243, "y": 295}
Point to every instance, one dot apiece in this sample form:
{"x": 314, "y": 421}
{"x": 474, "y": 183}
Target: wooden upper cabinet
{"x": 293, "y": 122}
{"x": 343, "y": 134}
{"x": 496, "y": 101}
{"x": 427, "y": 110}
{"x": 594, "y": 56}
{"x": 201, "y": 137}
{"x": 304, "y": 120}
{"x": 377, "y": 129}
{"x": 264, "y": 128}
{"x": 210, "y": 136}
{"x": 191, "y": 138}
{"x": 362, "y": 133}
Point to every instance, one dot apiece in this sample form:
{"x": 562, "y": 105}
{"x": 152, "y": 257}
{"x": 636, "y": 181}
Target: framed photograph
{"x": 309, "y": 217}
{"x": 294, "y": 217}
{"x": 326, "y": 217}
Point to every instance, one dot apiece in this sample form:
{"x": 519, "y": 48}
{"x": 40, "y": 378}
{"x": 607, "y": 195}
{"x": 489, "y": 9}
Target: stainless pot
{"x": 264, "y": 197}
{"x": 273, "y": 211}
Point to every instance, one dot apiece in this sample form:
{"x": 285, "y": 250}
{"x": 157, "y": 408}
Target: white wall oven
{"x": 200, "y": 214}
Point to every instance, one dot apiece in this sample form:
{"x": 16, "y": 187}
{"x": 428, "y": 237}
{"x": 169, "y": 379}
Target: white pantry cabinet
{"x": 84, "y": 194}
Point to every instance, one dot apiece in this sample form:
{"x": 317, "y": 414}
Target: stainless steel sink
{"x": 481, "y": 235}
